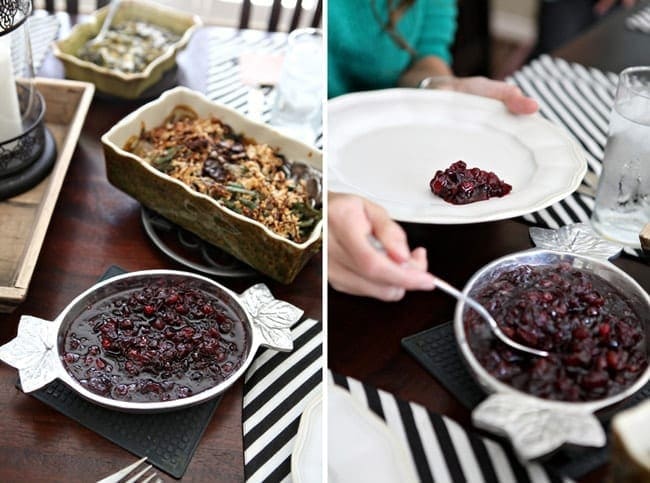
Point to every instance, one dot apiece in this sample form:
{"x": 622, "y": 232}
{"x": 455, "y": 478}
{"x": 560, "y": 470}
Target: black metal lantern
{"x": 27, "y": 149}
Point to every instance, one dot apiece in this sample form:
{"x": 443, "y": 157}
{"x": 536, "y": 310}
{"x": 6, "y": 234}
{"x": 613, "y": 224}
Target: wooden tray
{"x": 24, "y": 218}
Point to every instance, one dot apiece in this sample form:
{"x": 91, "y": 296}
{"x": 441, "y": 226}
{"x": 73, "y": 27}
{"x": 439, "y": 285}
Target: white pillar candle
{"x": 10, "y": 122}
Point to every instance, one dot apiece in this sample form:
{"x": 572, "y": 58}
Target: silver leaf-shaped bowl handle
{"x": 272, "y": 317}
{"x": 578, "y": 238}
{"x": 32, "y": 352}
{"x": 536, "y": 428}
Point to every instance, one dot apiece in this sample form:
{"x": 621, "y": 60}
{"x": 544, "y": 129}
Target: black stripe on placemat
{"x": 447, "y": 448}
{"x": 569, "y": 211}
{"x": 483, "y": 458}
{"x": 538, "y": 219}
{"x": 253, "y": 406}
{"x": 281, "y": 409}
{"x": 581, "y": 96}
{"x": 577, "y": 113}
{"x": 582, "y": 204}
{"x": 415, "y": 443}
{"x": 269, "y": 450}
{"x": 599, "y": 105}
{"x": 262, "y": 371}
{"x": 342, "y": 381}
{"x": 374, "y": 402}
{"x": 521, "y": 475}
{"x": 280, "y": 473}
{"x": 552, "y": 108}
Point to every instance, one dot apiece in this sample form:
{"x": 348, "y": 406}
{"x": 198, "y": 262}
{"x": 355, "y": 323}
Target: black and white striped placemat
{"x": 277, "y": 388}
{"x": 224, "y": 83}
{"x": 442, "y": 450}
{"x": 43, "y": 30}
{"x": 579, "y": 99}
{"x": 639, "y": 20}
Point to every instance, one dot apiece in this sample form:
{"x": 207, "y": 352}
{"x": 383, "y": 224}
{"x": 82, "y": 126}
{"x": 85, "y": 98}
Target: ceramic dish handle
{"x": 536, "y": 428}
{"x": 272, "y": 318}
{"x": 33, "y": 352}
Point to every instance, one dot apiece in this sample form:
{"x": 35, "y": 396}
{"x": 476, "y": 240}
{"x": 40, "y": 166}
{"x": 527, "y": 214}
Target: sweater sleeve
{"x": 438, "y": 29}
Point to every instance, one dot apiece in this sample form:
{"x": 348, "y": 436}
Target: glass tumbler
{"x": 297, "y": 109}
{"x": 622, "y": 204}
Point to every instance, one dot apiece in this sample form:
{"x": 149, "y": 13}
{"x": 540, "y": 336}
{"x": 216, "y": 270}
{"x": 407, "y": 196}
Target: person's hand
{"x": 432, "y": 72}
{"x": 516, "y": 102}
{"x": 601, "y": 7}
{"x": 358, "y": 268}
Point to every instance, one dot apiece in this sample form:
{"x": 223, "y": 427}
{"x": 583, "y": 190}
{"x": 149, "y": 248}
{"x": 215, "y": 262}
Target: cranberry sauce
{"x": 597, "y": 342}
{"x": 459, "y": 185}
{"x": 162, "y": 341}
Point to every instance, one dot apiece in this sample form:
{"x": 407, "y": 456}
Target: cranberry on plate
{"x": 459, "y": 185}
{"x": 162, "y": 341}
{"x": 596, "y": 340}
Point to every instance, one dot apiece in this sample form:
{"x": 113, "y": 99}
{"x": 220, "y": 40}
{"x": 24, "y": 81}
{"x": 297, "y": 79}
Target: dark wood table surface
{"x": 94, "y": 226}
{"x": 364, "y": 335}
{"x": 610, "y": 45}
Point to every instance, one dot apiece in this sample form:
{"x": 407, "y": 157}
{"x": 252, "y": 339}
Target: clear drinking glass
{"x": 299, "y": 93}
{"x": 623, "y": 198}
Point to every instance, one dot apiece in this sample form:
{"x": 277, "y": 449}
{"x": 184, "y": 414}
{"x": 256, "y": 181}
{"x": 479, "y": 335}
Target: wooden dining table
{"x": 94, "y": 226}
{"x": 364, "y": 335}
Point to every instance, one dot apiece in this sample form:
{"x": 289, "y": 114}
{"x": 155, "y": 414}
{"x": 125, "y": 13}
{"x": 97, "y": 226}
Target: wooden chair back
{"x": 72, "y": 6}
{"x": 274, "y": 16}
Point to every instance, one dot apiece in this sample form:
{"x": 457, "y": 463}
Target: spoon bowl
{"x": 482, "y": 311}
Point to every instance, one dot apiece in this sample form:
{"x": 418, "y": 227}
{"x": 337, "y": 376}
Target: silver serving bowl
{"x": 36, "y": 350}
{"x": 538, "y": 426}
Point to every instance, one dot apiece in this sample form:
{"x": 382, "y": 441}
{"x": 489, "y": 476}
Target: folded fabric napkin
{"x": 277, "y": 388}
{"x": 441, "y": 450}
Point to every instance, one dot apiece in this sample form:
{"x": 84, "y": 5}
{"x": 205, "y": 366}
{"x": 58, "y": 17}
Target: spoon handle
{"x": 482, "y": 311}
{"x": 108, "y": 20}
{"x": 445, "y": 287}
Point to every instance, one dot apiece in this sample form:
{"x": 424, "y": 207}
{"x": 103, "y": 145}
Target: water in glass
{"x": 622, "y": 205}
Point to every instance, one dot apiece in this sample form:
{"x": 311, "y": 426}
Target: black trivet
{"x": 168, "y": 439}
{"x": 437, "y": 351}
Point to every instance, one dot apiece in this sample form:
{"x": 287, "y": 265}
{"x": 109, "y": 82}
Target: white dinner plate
{"x": 360, "y": 446}
{"x": 387, "y": 145}
{"x": 307, "y": 455}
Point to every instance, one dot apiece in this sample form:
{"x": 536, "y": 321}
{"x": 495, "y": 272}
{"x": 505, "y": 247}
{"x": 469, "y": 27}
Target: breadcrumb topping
{"x": 252, "y": 179}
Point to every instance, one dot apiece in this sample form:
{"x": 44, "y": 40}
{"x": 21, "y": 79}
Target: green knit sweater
{"x": 361, "y": 56}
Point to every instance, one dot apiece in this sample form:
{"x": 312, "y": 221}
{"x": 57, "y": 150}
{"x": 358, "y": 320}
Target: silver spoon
{"x": 480, "y": 309}
{"x": 108, "y": 20}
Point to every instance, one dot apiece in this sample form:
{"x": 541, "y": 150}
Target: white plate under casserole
{"x": 387, "y": 145}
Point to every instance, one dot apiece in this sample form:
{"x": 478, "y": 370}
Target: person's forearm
{"x": 425, "y": 67}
